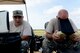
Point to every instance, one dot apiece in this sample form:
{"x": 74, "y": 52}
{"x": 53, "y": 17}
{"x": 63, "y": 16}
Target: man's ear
{"x": 22, "y": 16}
{"x": 13, "y": 17}
{"x": 57, "y": 16}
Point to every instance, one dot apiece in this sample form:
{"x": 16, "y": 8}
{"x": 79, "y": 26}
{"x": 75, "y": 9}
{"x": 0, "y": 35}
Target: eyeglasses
{"x": 17, "y": 17}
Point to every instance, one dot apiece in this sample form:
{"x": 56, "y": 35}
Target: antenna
{"x": 26, "y": 10}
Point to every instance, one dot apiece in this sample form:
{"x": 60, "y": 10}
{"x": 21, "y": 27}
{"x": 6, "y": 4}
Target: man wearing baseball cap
{"x": 19, "y": 25}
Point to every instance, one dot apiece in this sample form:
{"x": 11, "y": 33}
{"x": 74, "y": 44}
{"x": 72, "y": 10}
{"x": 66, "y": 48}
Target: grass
{"x": 39, "y": 32}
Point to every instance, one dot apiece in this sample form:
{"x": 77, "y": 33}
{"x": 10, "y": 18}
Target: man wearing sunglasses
{"x": 19, "y": 25}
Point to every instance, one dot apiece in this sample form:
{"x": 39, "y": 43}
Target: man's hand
{"x": 25, "y": 37}
{"x": 55, "y": 36}
{"x": 58, "y": 36}
{"x": 75, "y": 37}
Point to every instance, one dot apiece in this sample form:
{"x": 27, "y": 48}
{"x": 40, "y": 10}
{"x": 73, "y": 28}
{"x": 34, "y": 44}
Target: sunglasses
{"x": 17, "y": 17}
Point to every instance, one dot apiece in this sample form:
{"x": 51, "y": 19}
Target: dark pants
{"x": 61, "y": 48}
{"x": 24, "y": 47}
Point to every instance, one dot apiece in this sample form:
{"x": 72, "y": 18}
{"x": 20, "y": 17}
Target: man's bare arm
{"x": 52, "y": 36}
{"x": 49, "y": 36}
{"x": 25, "y": 37}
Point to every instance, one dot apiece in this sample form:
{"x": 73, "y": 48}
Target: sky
{"x": 41, "y": 11}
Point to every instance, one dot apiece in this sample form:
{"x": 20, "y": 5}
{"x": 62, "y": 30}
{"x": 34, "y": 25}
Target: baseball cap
{"x": 17, "y": 13}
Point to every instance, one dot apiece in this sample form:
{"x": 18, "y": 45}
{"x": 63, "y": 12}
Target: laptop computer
{"x": 8, "y": 41}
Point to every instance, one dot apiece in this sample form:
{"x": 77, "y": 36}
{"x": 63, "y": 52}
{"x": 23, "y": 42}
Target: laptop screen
{"x": 4, "y": 21}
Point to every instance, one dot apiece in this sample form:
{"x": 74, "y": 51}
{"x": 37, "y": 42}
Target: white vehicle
{"x": 9, "y": 42}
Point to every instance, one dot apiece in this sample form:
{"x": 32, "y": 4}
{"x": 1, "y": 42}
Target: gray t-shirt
{"x": 25, "y": 28}
{"x": 53, "y": 25}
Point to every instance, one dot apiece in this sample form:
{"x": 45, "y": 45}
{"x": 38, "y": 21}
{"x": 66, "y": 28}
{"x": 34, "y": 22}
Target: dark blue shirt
{"x": 65, "y": 26}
